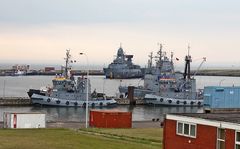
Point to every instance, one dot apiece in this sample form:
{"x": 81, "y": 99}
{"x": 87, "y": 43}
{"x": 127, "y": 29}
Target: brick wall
{"x": 206, "y": 137}
{"x": 230, "y": 139}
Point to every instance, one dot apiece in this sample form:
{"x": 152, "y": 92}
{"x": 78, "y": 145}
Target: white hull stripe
{"x": 44, "y": 100}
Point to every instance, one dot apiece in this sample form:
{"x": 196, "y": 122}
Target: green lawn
{"x": 145, "y": 134}
{"x": 80, "y": 139}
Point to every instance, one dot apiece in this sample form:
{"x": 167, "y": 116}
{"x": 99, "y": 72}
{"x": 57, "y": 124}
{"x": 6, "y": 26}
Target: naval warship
{"x": 68, "y": 91}
{"x": 180, "y": 92}
{"x": 122, "y": 67}
{"x": 161, "y": 73}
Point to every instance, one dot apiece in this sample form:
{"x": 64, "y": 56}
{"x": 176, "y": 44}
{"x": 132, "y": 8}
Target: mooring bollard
{"x": 131, "y": 95}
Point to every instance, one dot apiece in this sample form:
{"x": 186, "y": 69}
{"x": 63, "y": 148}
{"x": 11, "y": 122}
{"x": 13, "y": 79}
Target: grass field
{"x": 144, "y": 134}
{"x": 81, "y": 139}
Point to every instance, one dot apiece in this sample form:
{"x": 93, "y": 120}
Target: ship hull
{"x": 40, "y": 99}
{"x": 123, "y": 73}
{"x": 138, "y": 91}
{"x": 166, "y": 101}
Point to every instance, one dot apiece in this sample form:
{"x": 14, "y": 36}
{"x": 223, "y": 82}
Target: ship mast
{"x": 188, "y": 60}
{"x": 67, "y": 59}
{"x": 172, "y": 62}
{"x": 150, "y": 60}
{"x": 172, "y": 57}
{"x": 160, "y": 53}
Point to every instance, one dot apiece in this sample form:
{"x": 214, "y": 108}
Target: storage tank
{"x": 110, "y": 119}
{"x": 24, "y": 120}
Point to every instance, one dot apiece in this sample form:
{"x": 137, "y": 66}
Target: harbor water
{"x": 18, "y": 87}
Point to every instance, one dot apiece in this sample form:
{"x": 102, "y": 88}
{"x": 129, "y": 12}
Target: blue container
{"x": 217, "y": 97}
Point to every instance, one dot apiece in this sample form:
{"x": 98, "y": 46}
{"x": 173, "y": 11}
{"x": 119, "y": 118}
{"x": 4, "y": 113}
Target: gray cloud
{"x": 139, "y": 11}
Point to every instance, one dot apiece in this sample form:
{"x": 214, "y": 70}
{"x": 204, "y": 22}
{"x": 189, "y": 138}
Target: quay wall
{"x": 4, "y": 101}
{"x": 126, "y": 101}
{"x": 14, "y": 101}
{"x": 205, "y": 72}
{"x": 74, "y": 72}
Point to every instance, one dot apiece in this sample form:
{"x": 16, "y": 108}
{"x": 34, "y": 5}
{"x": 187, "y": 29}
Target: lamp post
{"x": 220, "y": 82}
{"x": 87, "y": 90}
{"x": 4, "y": 84}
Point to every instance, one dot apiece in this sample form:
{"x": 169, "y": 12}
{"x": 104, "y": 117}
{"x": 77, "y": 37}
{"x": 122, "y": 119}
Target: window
{"x": 180, "y": 128}
{"x": 186, "y": 129}
{"x": 192, "y": 130}
{"x": 237, "y": 140}
{"x": 220, "y": 138}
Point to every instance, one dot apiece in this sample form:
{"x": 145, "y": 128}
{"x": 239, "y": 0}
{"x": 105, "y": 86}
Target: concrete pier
{"x": 126, "y": 101}
{"x": 14, "y": 101}
{"x": 131, "y": 95}
{"x": 25, "y": 101}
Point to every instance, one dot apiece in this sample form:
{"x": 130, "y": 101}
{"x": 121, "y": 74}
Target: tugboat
{"x": 181, "y": 92}
{"x": 122, "y": 67}
{"x": 67, "y": 91}
{"x": 162, "y": 72}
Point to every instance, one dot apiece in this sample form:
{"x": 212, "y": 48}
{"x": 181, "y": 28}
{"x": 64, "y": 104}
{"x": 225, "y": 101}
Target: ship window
{"x": 237, "y": 140}
{"x": 219, "y": 89}
{"x": 186, "y": 129}
{"x": 220, "y": 138}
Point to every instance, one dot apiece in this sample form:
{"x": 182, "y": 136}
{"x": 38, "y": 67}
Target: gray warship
{"x": 179, "y": 92}
{"x": 68, "y": 91}
{"x": 161, "y": 73}
{"x": 122, "y": 67}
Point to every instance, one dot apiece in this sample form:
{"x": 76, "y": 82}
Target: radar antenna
{"x": 150, "y": 60}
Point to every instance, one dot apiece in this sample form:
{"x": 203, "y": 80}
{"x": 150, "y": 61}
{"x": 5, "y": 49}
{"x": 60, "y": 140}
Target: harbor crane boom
{"x": 195, "y": 73}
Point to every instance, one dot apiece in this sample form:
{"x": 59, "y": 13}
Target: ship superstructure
{"x": 122, "y": 67}
{"x": 180, "y": 92}
{"x": 155, "y": 75}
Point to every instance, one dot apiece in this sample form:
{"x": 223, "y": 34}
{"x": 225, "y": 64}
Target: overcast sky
{"x": 39, "y": 31}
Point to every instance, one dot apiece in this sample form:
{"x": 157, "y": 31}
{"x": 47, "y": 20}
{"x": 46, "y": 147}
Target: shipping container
{"x": 24, "y": 120}
{"x": 218, "y": 97}
{"x": 110, "y": 119}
